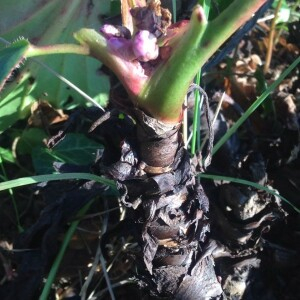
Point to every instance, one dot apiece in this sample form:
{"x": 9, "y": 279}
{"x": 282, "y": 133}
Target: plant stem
{"x": 198, "y": 44}
{"x": 271, "y": 38}
{"x": 122, "y": 68}
{"x": 158, "y": 98}
{"x": 57, "y": 49}
{"x": 197, "y": 107}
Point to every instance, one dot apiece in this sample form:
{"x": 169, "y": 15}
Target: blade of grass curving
{"x": 50, "y": 177}
{"x": 254, "y": 106}
{"x": 62, "y": 250}
{"x": 217, "y": 111}
{"x": 249, "y": 183}
{"x": 109, "y": 285}
{"x": 185, "y": 124}
{"x": 197, "y": 107}
{"x": 91, "y": 274}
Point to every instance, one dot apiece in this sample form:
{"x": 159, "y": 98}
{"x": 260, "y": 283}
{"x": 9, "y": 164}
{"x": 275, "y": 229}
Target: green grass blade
{"x": 197, "y": 108}
{"x": 62, "y": 250}
{"x": 249, "y": 183}
{"x": 50, "y": 177}
{"x": 254, "y": 106}
{"x": 206, "y": 4}
{"x": 11, "y": 193}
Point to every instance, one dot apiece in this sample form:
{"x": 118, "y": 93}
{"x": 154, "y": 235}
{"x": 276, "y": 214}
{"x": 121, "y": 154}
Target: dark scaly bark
{"x": 169, "y": 208}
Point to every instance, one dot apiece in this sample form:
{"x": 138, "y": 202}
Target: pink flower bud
{"x": 144, "y": 46}
{"x": 109, "y": 30}
{"x": 121, "y": 47}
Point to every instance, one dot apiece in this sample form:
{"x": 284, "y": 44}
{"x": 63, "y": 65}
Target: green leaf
{"x": 6, "y": 155}
{"x": 53, "y": 22}
{"x": 10, "y": 58}
{"x": 284, "y": 11}
{"x": 74, "y": 149}
{"x": 15, "y": 102}
{"x": 30, "y": 138}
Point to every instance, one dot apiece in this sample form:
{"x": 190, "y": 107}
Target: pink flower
{"x": 144, "y": 46}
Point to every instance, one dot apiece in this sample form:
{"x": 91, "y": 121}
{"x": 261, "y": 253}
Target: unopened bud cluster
{"x": 142, "y": 46}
